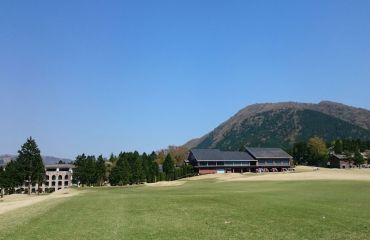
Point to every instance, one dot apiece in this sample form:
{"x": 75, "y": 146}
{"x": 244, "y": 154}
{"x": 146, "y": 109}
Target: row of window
{"x": 244, "y": 163}
{"x": 60, "y": 183}
{"x": 60, "y": 177}
{"x": 228, "y": 163}
{"x": 273, "y": 162}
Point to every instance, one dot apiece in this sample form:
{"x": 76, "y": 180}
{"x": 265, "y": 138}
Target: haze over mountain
{"x": 5, "y": 158}
{"x": 282, "y": 124}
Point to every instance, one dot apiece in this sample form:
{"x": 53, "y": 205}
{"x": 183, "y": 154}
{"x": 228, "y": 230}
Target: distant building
{"x": 207, "y": 161}
{"x": 344, "y": 161}
{"x": 340, "y": 161}
{"x": 58, "y": 176}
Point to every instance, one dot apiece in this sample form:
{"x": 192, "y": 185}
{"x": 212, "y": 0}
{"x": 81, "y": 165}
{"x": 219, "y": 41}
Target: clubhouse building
{"x": 208, "y": 161}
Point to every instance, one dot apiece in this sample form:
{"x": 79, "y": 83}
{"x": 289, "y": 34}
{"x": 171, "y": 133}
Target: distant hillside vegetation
{"x": 283, "y": 124}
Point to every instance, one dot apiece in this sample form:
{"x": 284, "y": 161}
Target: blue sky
{"x": 109, "y": 76}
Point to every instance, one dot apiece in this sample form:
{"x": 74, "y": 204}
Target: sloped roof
{"x": 267, "y": 153}
{"x": 341, "y": 156}
{"x": 215, "y": 154}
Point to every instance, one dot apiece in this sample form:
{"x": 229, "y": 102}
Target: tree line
{"x": 316, "y": 151}
{"x": 127, "y": 168}
{"x": 28, "y": 170}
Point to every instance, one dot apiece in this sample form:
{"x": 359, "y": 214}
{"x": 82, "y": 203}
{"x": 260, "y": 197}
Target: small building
{"x": 340, "y": 161}
{"x": 208, "y": 161}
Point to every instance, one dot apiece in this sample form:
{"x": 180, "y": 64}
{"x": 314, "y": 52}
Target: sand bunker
{"x": 15, "y": 201}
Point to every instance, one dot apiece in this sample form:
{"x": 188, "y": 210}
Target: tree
{"x": 13, "y": 176}
{"x": 153, "y": 168}
{"x": 338, "y": 146}
{"x": 137, "y": 172}
{"x": 318, "y": 152}
{"x": 120, "y": 173}
{"x": 100, "y": 170}
{"x": 30, "y": 160}
{"x": 300, "y": 153}
{"x": 358, "y": 158}
{"x": 79, "y": 173}
{"x": 2, "y": 181}
{"x": 169, "y": 167}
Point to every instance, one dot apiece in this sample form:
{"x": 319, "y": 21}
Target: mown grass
{"x": 203, "y": 210}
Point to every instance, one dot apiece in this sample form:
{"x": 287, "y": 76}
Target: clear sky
{"x": 110, "y": 76}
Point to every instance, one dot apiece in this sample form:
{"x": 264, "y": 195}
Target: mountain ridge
{"x": 350, "y": 118}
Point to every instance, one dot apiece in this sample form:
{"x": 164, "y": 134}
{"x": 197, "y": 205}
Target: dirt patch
{"x": 15, "y": 201}
{"x": 302, "y": 173}
{"x": 166, "y": 183}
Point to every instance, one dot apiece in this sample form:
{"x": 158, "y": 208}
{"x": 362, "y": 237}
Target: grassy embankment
{"x": 204, "y": 209}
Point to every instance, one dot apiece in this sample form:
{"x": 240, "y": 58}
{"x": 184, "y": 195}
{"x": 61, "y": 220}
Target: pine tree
{"x": 13, "y": 176}
{"x": 169, "y": 167}
{"x": 30, "y": 160}
{"x": 338, "y": 147}
{"x": 100, "y": 170}
{"x": 120, "y": 173}
{"x": 92, "y": 177}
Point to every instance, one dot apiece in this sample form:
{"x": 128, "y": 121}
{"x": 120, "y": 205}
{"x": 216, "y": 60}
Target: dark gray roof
{"x": 267, "y": 153}
{"x": 59, "y": 166}
{"x": 215, "y": 154}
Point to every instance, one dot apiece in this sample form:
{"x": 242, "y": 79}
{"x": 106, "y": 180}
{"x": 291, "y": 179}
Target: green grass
{"x": 202, "y": 210}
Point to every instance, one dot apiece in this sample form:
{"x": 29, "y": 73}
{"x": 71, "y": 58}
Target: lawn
{"x": 204, "y": 209}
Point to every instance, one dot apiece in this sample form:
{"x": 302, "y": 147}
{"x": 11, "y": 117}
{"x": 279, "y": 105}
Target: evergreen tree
{"x": 100, "y": 170}
{"x": 137, "y": 171}
{"x": 2, "y": 181}
{"x": 300, "y": 153}
{"x": 153, "y": 171}
{"x": 80, "y": 173}
{"x": 120, "y": 173}
{"x": 30, "y": 160}
{"x": 169, "y": 167}
{"x": 338, "y": 147}
{"x": 146, "y": 167}
{"x": 92, "y": 177}
{"x": 13, "y": 176}
{"x": 358, "y": 158}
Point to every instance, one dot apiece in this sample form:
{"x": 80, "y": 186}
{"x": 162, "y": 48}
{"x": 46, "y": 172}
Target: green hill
{"x": 283, "y": 124}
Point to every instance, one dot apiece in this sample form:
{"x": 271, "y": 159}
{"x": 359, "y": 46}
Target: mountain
{"x": 283, "y": 124}
{"x": 5, "y": 158}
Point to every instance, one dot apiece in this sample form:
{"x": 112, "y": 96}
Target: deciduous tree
{"x": 318, "y": 152}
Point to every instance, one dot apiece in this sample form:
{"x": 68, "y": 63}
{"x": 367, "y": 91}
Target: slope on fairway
{"x": 204, "y": 209}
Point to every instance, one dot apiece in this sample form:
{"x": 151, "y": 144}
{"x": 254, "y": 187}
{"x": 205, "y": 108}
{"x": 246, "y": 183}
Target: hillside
{"x": 282, "y": 124}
